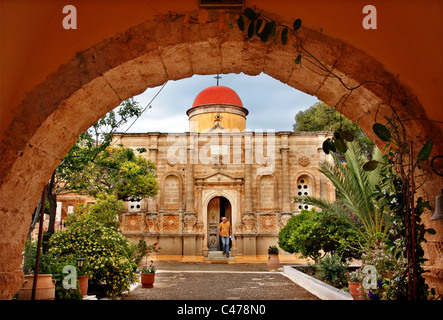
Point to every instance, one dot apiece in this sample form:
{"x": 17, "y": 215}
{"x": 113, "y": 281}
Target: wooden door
{"x": 213, "y": 223}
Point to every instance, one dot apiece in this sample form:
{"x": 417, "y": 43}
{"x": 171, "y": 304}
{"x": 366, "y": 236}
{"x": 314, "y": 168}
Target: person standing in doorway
{"x": 225, "y": 231}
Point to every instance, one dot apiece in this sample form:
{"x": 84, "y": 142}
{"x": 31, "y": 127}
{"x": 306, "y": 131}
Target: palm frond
{"x": 355, "y": 188}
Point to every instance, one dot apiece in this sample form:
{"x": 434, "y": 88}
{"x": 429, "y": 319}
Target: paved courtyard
{"x": 205, "y": 281}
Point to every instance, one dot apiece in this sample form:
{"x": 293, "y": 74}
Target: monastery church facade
{"x": 219, "y": 169}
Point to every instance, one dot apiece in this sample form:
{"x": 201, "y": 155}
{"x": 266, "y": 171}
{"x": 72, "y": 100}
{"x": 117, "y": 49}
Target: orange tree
{"x": 314, "y": 234}
{"x": 106, "y": 250}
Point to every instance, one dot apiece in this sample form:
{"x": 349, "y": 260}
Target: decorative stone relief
{"x": 284, "y": 219}
{"x": 218, "y": 162}
{"x": 132, "y": 222}
{"x": 249, "y": 223}
{"x": 189, "y": 222}
{"x": 303, "y": 161}
{"x": 172, "y": 161}
{"x": 199, "y": 227}
{"x": 267, "y": 222}
{"x": 152, "y": 223}
{"x": 264, "y": 161}
{"x": 171, "y": 223}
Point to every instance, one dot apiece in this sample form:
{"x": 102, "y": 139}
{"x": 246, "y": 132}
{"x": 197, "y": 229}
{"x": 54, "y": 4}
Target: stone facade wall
{"x": 257, "y": 172}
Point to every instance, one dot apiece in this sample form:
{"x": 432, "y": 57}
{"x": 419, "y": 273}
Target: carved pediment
{"x": 219, "y": 178}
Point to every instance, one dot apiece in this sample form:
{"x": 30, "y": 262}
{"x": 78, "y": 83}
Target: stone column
{"x": 190, "y": 183}
{"x": 249, "y": 232}
{"x": 153, "y": 152}
{"x": 248, "y": 172}
{"x": 189, "y": 236}
{"x": 285, "y": 173}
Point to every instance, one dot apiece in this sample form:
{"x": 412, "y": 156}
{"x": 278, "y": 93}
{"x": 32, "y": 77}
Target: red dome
{"x": 217, "y": 94}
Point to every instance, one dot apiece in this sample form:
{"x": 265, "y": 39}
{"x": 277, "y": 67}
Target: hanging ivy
{"x": 265, "y": 28}
{"x": 402, "y": 202}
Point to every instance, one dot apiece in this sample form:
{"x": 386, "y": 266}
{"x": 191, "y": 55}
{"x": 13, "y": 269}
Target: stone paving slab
{"x": 204, "y": 281}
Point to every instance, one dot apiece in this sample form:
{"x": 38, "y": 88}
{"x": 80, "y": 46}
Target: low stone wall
{"x": 320, "y": 289}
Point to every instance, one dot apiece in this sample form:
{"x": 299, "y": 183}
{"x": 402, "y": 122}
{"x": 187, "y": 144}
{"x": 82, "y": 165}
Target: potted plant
{"x": 82, "y": 275}
{"x": 355, "y": 286}
{"x": 273, "y": 260}
{"x": 45, "y": 289}
{"x": 147, "y": 275}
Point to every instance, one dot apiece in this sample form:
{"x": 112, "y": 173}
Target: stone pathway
{"x": 204, "y": 281}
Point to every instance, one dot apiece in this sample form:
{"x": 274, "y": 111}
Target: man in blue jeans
{"x": 225, "y": 231}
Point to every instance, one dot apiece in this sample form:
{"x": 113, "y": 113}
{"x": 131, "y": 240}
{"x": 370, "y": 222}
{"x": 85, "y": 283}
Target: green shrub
{"x": 106, "y": 251}
{"x": 60, "y": 292}
{"x": 285, "y": 235}
{"x": 332, "y": 270}
{"x": 314, "y": 233}
{"x": 105, "y": 211}
{"x": 47, "y": 264}
{"x": 273, "y": 250}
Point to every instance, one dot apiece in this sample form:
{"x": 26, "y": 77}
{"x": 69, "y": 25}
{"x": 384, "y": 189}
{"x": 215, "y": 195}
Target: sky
{"x": 271, "y": 103}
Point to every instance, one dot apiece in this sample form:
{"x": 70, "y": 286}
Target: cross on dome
{"x": 217, "y": 77}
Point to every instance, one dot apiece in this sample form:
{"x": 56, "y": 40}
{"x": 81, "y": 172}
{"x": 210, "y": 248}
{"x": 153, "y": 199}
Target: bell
{"x": 438, "y": 214}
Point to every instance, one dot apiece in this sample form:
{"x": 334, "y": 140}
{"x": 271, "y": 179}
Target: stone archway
{"x": 96, "y": 80}
{"x": 208, "y": 195}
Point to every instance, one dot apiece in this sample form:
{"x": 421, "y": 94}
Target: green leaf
{"x": 341, "y": 145}
{"x": 265, "y": 33}
{"x": 296, "y": 25}
{"x": 381, "y": 131}
{"x": 241, "y": 23}
{"x": 251, "y": 30}
{"x": 250, "y": 13}
{"x": 332, "y": 146}
{"x": 425, "y": 152}
{"x": 229, "y": 21}
{"x": 298, "y": 59}
{"x": 259, "y": 23}
{"x": 370, "y": 165}
{"x": 431, "y": 231}
{"x": 273, "y": 29}
{"x": 326, "y": 146}
{"x": 348, "y": 135}
{"x": 284, "y": 36}
{"x": 337, "y": 134}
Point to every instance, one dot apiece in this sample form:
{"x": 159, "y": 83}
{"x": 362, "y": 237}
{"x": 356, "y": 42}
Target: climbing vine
{"x": 399, "y": 153}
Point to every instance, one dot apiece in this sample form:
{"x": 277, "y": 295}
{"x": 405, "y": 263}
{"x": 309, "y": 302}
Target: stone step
{"x": 216, "y": 254}
{"x": 218, "y": 257}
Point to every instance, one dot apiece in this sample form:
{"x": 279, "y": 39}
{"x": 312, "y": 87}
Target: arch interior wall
{"x": 98, "y": 78}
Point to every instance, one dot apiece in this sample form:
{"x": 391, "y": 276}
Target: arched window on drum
{"x": 303, "y": 189}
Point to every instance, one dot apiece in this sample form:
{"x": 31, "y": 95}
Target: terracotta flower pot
{"x": 83, "y": 284}
{"x": 273, "y": 262}
{"x": 147, "y": 280}
{"x": 45, "y": 288}
{"x": 356, "y": 290}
